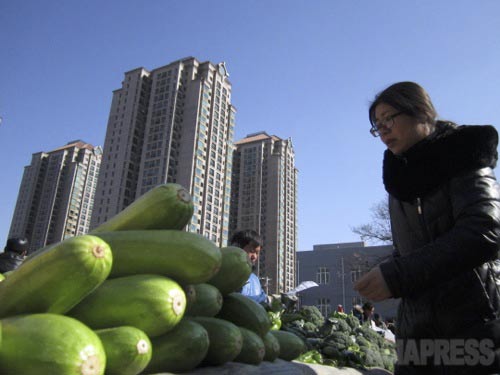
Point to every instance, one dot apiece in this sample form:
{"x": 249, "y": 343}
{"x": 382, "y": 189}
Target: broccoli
{"x": 389, "y": 361}
{"x": 371, "y": 335}
{"x": 313, "y": 315}
{"x": 372, "y": 357}
{"x": 314, "y": 342}
{"x": 290, "y": 317}
{"x": 331, "y": 352}
{"x": 334, "y": 325}
{"x": 309, "y": 328}
{"x": 378, "y": 352}
{"x": 341, "y": 340}
{"x": 362, "y": 341}
{"x": 343, "y": 326}
{"x": 352, "y": 321}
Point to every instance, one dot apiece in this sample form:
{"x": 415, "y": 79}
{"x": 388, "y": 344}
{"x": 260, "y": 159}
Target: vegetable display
{"x": 140, "y": 295}
{"x": 340, "y": 340}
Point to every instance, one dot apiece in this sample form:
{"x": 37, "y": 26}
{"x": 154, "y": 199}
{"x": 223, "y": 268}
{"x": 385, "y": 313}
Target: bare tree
{"x": 379, "y": 230}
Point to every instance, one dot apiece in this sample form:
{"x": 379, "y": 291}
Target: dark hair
{"x": 17, "y": 245}
{"x": 409, "y": 98}
{"x": 367, "y": 306}
{"x": 244, "y": 237}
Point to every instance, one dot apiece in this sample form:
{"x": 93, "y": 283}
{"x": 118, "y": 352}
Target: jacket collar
{"x": 442, "y": 155}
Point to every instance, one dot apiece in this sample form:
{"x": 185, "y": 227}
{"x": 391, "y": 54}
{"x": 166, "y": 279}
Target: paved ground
{"x": 280, "y": 367}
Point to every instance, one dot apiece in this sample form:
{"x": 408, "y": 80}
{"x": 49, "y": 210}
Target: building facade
{"x": 56, "y": 195}
{"x": 172, "y": 124}
{"x": 335, "y": 268}
{"x": 264, "y": 198}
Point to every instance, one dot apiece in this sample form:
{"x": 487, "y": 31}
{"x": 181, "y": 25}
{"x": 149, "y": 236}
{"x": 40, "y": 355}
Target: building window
{"x": 356, "y": 275}
{"x": 323, "y": 275}
{"x": 324, "y": 306}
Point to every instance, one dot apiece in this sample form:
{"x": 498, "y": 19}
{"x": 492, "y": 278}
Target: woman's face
{"x": 405, "y": 131}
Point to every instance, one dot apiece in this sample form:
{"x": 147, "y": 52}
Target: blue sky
{"x": 301, "y": 69}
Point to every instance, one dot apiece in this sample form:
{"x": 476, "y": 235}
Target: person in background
{"x": 377, "y": 319}
{"x": 14, "y": 253}
{"x": 357, "y": 311}
{"x": 368, "y": 310}
{"x": 444, "y": 206}
{"x": 250, "y": 241}
{"x": 391, "y": 325}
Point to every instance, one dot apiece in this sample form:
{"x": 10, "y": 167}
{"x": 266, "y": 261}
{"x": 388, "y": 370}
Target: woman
{"x": 444, "y": 204}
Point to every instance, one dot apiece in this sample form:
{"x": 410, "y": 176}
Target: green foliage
{"x": 340, "y": 340}
{"x": 352, "y": 321}
{"x": 372, "y": 357}
{"x": 313, "y": 315}
{"x": 363, "y": 342}
{"x": 389, "y": 361}
{"x": 309, "y": 328}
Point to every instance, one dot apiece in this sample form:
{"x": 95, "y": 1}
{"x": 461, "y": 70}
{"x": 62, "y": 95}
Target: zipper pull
{"x": 419, "y": 206}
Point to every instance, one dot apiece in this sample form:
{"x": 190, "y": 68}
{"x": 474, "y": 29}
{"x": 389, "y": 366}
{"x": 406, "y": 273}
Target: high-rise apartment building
{"x": 264, "y": 198}
{"x": 57, "y": 194}
{"x": 172, "y": 124}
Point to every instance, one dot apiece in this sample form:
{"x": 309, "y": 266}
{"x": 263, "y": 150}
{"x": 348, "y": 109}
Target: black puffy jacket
{"x": 444, "y": 204}
{"x": 9, "y": 261}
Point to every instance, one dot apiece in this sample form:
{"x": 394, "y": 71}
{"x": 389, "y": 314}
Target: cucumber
{"x": 2, "y": 277}
{"x": 202, "y": 300}
{"x": 56, "y": 279}
{"x": 128, "y": 350}
{"x": 167, "y": 206}
{"x": 252, "y": 351}
{"x": 49, "y": 344}
{"x": 291, "y": 346}
{"x": 190, "y": 293}
{"x": 245, "y": 312}
{"x": 225, "y": 340}
{"x": 272, "y": 347}
{"x": 152, "y": 303}
{"x": 234, "y": 271}
{"x": 181, "y": 349}
{"x": 188, "y": 258}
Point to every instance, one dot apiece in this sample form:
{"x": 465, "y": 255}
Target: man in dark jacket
{"x": 14, "y": 253}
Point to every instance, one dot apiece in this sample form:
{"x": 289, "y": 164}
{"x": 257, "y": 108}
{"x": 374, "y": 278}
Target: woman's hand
{"x": 372, "y": 286}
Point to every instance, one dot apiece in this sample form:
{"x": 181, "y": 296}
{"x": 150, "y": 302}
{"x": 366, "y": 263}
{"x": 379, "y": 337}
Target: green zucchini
{"x": 181, "y": 349}
{"x": 152, "y": 303}
{"x": 234, "y": 271}
{"x": 225, "y": 340}
{"x": 252, "y": 351}
{"x": 56, "y": 279}
{"x": 167, "y": 206}
{"x": 202, "y": 300}
{"x": 291, "y": 346}
{"x": 188, "y": 258}
{"x": 128, "y": 350}
{"x": 272, "y": 347}
{"x": 245, "y": 312}
{"x": 49, "y": 344}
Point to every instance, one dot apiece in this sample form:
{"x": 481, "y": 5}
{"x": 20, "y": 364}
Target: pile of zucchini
{"x": 138, "y": 295}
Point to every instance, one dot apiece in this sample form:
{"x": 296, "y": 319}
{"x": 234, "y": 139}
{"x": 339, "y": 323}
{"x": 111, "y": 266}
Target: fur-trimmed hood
{"x": 445, "y": 153}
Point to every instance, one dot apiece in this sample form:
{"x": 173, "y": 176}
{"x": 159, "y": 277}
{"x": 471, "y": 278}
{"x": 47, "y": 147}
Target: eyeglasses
{"x": 385, "y": 123}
